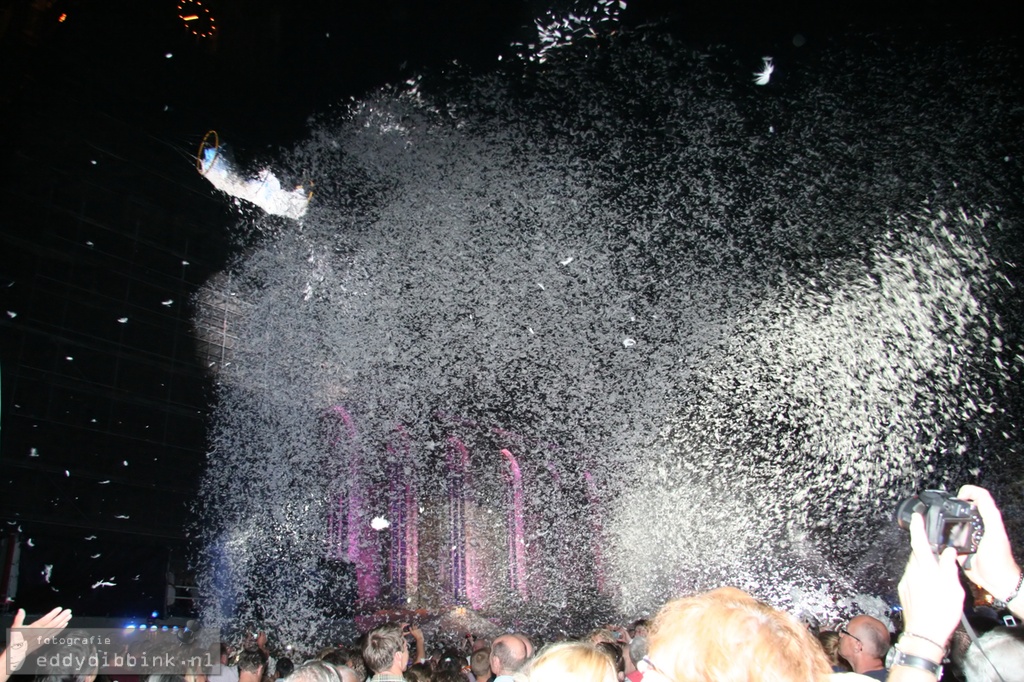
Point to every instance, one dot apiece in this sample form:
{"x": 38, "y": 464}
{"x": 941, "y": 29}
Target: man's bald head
{"x": 527, "y": 642}
{"x": 508, "y": 654}
{"x": 872, "y": 633}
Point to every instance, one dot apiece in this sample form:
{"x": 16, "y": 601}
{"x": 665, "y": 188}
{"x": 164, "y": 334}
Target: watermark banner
{"x": 107, "y": 651}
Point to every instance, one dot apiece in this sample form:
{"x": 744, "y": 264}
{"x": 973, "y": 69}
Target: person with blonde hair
{"x": 571, "y": 662}
{"x": 726, "y": 634}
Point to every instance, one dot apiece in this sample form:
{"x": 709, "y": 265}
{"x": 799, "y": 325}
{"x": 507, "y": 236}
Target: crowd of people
{"x": 724, "y": 635}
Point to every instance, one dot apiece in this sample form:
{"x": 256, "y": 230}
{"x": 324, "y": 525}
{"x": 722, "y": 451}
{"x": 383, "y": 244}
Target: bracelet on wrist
{"x": 940, "y": 647}
{"x": 1016, "y": 590}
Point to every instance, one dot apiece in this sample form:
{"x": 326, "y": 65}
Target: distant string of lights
{"x": 197, "y": 17}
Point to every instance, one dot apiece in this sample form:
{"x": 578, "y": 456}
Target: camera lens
{"x": 905, "y": 510}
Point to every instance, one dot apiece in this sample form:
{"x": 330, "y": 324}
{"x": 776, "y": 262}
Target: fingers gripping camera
{"x": 950, "y": 521}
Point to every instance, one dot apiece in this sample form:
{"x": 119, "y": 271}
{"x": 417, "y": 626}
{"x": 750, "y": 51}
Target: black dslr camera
{"x": 950, "y": 522}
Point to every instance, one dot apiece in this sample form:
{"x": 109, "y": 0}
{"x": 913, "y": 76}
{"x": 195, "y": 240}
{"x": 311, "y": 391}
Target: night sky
{"x": 108, "y": 233}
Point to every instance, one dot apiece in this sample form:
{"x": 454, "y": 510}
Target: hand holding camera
{"x": 949, "y": 521}
{"x": 992, "y": 566}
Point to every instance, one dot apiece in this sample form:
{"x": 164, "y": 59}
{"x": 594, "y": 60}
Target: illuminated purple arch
{"x": 516, "y": 525}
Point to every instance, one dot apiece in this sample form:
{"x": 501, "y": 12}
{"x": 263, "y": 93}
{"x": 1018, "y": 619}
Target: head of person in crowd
{"x": 602, "y": 635}
{"x": 829, "y": 640}
{"x": 572, "y": 662}
{"x": 450, "y": 659}
{"x": 480, "y": 664}
{"x": 315, "y": 671}
{"x": 250, "y": 665}
{"x": 614, "y": 651}
{"x": 527, "y": 642}
{"x": 77, "y": 645}
{"x": 418, "y": 672}
{"x": 386, "y": 650}
{"x": 356, "y": 661}
{"x": 640, "y": 627}
{"x": 726, "y": 634}
{"x": 448, "y": 675}
{"x": 508, "y": 654}
{"x": 346, "y": 673}
{"x": 283, "y": 667}
{"x": 334, "y": 656}
{"x": 864, "y": 642}
{"x": 637, "y": 649}
{"x": 1004, "y": 648}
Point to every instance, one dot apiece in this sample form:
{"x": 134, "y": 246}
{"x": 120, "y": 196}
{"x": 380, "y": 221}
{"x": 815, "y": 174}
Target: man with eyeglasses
{"x": 863, "y": 642}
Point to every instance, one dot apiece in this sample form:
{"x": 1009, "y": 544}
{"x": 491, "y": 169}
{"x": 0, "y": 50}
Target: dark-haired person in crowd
{"x": 417, "y": 672}
{"x": 283, "y": 668}
{"x": 932, "y": 596}
{"x": 864, "y": 642}
{"x": 82, "y": 653}
{"x": 447, "y": 675}
{"x": 250, "y": 665}
{"x": 637, "y": 650}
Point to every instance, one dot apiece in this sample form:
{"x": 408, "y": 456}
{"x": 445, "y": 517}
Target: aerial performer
{"x": 264, "y": 190}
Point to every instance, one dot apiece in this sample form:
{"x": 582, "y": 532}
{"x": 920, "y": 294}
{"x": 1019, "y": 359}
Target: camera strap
{"x": 974, "y": 642}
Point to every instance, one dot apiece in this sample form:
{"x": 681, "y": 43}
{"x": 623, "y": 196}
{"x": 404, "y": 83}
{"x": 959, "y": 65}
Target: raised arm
{"x": 993, "y": 566}
{"x": 19, "y": 647}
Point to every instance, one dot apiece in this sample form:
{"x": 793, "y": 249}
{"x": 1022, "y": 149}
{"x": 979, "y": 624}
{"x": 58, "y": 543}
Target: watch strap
{"x": 915, "y": 662}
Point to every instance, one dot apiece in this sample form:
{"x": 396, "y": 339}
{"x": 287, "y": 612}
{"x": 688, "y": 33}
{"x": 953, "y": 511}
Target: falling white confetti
{"x": 169, "y": 302}
{"x": 764, "y": 75}
{"x": 96, "y": 556}
{"x": 105, "y": 583}
{"x": 33, "y": 452}
{"x": 122, "y": 516}
{"x": 31, "y": 543}
{"x": 796, "y": 306}
{"x": 122, "y": 320}
{"x": 11, "y": 314}
{"x": 47, "y": 573}
{"x": 379, "y": 523}
{"x": 90, "y": 537}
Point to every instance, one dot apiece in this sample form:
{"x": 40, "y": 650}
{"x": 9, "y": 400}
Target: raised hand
{"x": 993, "y": 566}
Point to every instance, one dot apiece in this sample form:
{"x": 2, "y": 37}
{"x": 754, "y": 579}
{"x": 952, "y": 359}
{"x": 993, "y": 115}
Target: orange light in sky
{"x": 62, "y": 17}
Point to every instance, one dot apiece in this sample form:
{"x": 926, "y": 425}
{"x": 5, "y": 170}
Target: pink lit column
{"x": 352, "y": 537}
{"x": 516, "y": 526}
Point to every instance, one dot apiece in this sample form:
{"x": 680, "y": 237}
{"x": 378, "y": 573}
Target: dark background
{"x": 103, "y": 218}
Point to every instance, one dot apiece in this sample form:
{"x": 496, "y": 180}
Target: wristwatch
{"x": 896, "y": 657}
